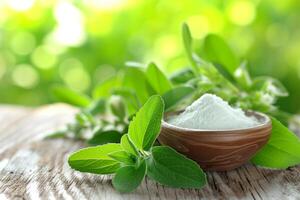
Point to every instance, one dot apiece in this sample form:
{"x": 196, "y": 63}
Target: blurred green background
{"x": 80, "y": 43}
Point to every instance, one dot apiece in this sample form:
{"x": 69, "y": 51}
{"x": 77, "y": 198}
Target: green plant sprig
{"x": 219, "y": 72}
{"x": 135, "y": 156}
{"x": 117, "y": 98}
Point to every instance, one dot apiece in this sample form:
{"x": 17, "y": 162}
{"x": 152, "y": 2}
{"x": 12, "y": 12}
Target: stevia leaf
{"x": 70, "y": 96}
{"x": 270, "y": 85}
{"x": 97, "y": 107}
{"x": 117, "y": 107}
{"x": 84, "y": 118}
{"x": 128, "y": 178}
{"x": 225, "y": 73}
{"x": 128, "y": 145}
{"x": 136, "y": 80}
{"x": 282, "y": 149}
{"x": 176, "y": 95}
{"x": 105, "y": 88}
{"x": 170, "y": 168}
{"x": 218, "y": 51}
{"x": 130, "y": 97}
{"x": 182, "y": 76}
{"x": 187, "y": 38}
{"x": 95, "y": 159}
{"x": 123, "y": 157}
{"x": 242, "y": 76}
{"x": 157, "y": 79}
{"x": 103, "y": 137}
{"x": 187, "y": 41}
{"x": 145, "y": 126}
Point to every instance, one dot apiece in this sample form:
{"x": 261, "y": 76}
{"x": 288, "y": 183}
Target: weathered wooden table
{"x": 34, "y": 168}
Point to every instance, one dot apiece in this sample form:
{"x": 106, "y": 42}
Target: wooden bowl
{"x": 218, "y": 150}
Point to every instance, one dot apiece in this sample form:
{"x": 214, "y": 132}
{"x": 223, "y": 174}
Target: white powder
{"x": 210, "y": 112}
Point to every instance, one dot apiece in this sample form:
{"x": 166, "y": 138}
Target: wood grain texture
{"x": 33, "y": 168}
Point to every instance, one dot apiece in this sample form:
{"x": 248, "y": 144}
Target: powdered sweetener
{"x": 210, "y": 112}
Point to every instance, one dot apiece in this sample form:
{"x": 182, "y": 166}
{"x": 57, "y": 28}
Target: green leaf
{"x": 131, "y": 99}
{"x": 157, "y": 79}
{"x": 170, "y": 168}
{"x": 84, "y": 119}
{"x": 95, "y": 159}
{"x": 123, "y": 157}
{"x": 282, "y": 149}
{"x": 97, "y": 107}
{"x": 128, "y": 145}
{"x": 176, "y": 95}
{"x": 242, "y": 76}
{"x": 224, "y": 73}
{"x": 145, "y": 126}
{"x": 136, "y": 80}
{"x": 69, "y": 96}
{"x": 128, "y": 178}
{"x": 187, "y": 41}
{"x": 103, "y": 137}
{"x": 218, "y": 51}
{"x": 117, "y": 107}
{"x": 270, "y": 85}
{"x": 182, "y": 76}
{"x": 187, "y": 38}
{"x": 104, "y": 88}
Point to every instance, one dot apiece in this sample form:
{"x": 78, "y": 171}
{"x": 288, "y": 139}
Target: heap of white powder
{"x": 210, "y": 112}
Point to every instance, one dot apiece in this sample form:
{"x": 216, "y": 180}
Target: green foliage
{"x": 242, "y": 77}
{"x": 136, "y": 80}
{"x": 72, "y": 97}
{"x": 145, "y": 126}
{"x": 170, "y": 168}
{"x": 128, "y": 145}
{"x": 128, "y": 178}
{"x": 135, "y": 156}
{"x": 94, "y": 53}
{"x": 281, "y": 151}
{"x": 123, "y": 157}
{"x": 103, "y": 137}
{"x": 117, "y": 107}
{"x": 218, "y": 51}
{"x": 222, "y": 75}
{"x": 97, "y": 107}
{"x": 176, "y": 95}
{"x": 183, "y": 76}
{"x": 157, "y": 79}
{"x": 104, "y": 88}
{"x": 187, "y": 41}
{"x": 95, "y": 159}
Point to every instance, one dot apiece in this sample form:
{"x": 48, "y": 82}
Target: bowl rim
{"x": 267, "y": 123}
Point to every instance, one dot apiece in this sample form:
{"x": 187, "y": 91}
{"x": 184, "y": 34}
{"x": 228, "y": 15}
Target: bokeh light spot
{"x": 25, "y": 76}
{"x": 23, "y": 43}
{"x": 43, "y": 58}
{"x": 70, "y": 25}
{"x": 167, "y": 46}
{"x": 74, "y": 74}
{"x": 199, "y": 26}
{"x": 242, "y": 12}
{"x": 20, "y": 5}
{"x": 215, "y": 19}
